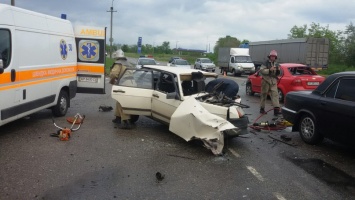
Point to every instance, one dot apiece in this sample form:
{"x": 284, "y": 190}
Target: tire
{"x": 62, "y": 106}
{"x": 309, "y": 131}
{"x": 236, "y": 74}
{"x": 281, "y": 95}
{"x": 134, "y": 118}
{"x": 195, "y": 67}
{"x": 249, "y": 90}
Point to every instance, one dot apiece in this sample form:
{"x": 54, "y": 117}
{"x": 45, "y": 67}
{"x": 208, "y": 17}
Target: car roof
{"x": 292, "y": 65}
{"x": 145, "y": 58}
{"x": 328, "y": 81}
{"x": 176, "y": 70}
{"x": 180, "y": 59}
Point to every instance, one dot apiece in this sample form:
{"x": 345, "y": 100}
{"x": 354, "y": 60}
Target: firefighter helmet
{"x": 273, "y": 53}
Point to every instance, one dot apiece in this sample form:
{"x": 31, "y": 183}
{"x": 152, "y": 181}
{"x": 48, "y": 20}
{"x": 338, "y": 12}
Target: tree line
{"x": 341, "y": 50}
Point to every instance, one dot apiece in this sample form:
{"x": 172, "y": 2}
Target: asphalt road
{"x": 101, "y": 161}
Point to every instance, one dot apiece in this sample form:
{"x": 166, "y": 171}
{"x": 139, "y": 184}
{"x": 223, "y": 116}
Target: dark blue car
{"x": 326, "y": 112}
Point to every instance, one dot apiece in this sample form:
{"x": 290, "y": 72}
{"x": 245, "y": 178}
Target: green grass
{"x": 108, "y": 64}
{"x": 334, "y": 68}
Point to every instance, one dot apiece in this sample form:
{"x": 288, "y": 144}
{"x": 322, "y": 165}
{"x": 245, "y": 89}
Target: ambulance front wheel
{"x": 61, "y": 108}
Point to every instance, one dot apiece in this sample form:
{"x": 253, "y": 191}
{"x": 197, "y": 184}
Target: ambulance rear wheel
{"x": 62, "y": 106}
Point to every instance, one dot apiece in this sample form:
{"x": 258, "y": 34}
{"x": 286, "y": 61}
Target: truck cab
{"x": 236, "y": 61}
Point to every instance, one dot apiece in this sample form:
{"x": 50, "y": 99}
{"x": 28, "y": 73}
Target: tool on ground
{"x": 65, "y": 133}
{"x": 278, "y": 123}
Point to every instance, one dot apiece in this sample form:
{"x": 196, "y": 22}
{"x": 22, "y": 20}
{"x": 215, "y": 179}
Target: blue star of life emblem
{"x": 89, "y": 50}
{"x": 63, "y": 49}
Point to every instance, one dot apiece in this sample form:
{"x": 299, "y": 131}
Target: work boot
{"x": 117, "y": 120}
{"x": 262, "y": 111}
{"x": 277, "y": 112}
{"x": 126, "y": 124}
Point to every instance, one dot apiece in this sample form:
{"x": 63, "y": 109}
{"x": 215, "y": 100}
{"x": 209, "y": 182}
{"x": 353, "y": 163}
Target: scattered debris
{"x": 293, "y": 145}
{"x": 285, "y": 138}
{"x": 159, "y": 176}
{"x": 105, "y": 108}
{"x": 180, "y": 156}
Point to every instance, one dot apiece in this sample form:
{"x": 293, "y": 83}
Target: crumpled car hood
{"x": 192, "y": 121}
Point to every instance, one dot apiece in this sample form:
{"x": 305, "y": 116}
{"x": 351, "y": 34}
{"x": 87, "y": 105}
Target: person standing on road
{"x": 270, "y": 71}
{"x": 116, "y": 72}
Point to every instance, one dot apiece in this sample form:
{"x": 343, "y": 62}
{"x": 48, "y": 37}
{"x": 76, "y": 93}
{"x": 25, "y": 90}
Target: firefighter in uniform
{"x": 116, "y": 72}
{"x": 270, "y": 71}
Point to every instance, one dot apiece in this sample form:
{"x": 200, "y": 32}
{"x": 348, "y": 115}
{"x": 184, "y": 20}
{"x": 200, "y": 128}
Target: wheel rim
{"x": 307, "y": 127}
{"x": 248, "y": 89}
{"x": 280, "y": 95}
{"x": 63, "y": 104}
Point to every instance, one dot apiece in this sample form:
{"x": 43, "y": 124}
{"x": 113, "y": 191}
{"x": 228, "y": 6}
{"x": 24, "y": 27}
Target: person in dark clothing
{"x": 229, "y": 87}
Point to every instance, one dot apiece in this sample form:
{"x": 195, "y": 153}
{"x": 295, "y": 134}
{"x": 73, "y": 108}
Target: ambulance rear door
{"x": 90, "y": 42}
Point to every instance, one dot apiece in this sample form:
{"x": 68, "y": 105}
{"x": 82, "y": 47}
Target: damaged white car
{"x": 177, "y": 97}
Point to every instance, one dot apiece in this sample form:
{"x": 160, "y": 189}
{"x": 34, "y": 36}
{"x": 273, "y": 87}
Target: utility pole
{"x": 111, "y": 39}
{"x": 13, "y": 2}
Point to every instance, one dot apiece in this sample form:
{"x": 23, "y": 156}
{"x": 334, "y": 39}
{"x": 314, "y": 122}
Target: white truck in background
{"x": 235, "y": 60}
{"x": 45, "y": 61}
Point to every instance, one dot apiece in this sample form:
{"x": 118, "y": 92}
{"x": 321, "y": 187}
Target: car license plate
{"x": 88, "y": 79}
{"x": 312, "y": 83}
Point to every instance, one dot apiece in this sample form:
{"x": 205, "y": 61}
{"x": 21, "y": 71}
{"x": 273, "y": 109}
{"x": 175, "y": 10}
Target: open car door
{"x": 134, "y": 91}
{"x": 90, "y": 43}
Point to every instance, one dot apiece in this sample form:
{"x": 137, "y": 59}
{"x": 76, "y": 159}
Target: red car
{"x": 293, "y": 77}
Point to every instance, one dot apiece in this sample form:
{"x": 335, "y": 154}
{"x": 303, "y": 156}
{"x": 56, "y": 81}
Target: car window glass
{"x": 331, "y": 91}
{"x": 301, "y": 71}
{"x": 137, "y": 78}
{"x": 166, "y": 83}
{"x": 346, "y": 90}
{"x": 5, "y": 48}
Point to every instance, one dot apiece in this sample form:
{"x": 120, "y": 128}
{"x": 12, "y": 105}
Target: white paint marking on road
{"x": 279, "y": 196}
{"x": 234, "y": 153}
{"x": 255, "y": 173}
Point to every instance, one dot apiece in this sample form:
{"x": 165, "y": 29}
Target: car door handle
{"x": 155, "y": 95}
{"x": 323, "y": 103}
{"x": 121, "y": 91}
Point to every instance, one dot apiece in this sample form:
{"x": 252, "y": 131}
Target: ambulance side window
{"x": 5, "y": 48}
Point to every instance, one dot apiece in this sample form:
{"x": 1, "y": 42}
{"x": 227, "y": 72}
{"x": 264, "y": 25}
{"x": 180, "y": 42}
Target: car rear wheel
{"x": 281, "y": 95}
{"x": 308, "y": 130}
{"x": 249, "y": 89}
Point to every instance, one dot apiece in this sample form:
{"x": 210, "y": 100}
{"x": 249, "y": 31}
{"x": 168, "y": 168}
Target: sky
{"x": 197, "y": 24}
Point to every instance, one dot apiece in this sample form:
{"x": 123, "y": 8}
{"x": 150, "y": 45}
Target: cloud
{"x": 199, "y": 23}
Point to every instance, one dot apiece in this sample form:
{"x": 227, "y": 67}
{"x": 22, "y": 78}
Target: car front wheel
{"x": 308, "y": 130}
{"x": 248, "y": 89}
{"x": 62, "y": 106}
